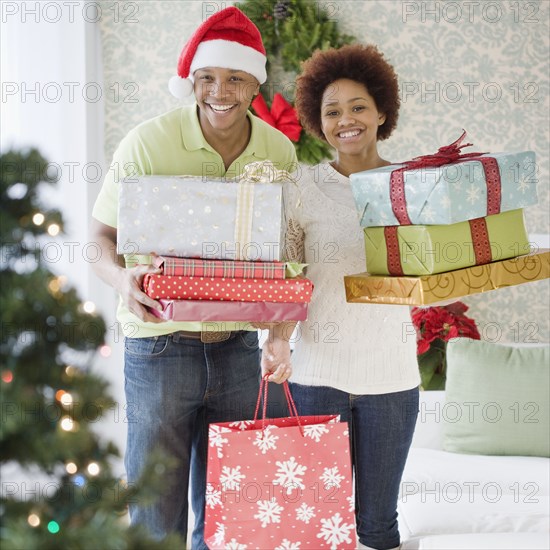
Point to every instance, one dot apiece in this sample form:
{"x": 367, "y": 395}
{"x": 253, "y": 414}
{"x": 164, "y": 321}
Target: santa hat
{"x": 227, "y": 39}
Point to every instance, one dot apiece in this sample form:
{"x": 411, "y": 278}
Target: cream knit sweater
{"x": 357, "y": 348}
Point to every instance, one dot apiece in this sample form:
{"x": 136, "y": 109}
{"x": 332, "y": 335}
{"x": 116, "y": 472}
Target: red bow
{"x": 282, "y": 115}
{"x": 445, "y": 155}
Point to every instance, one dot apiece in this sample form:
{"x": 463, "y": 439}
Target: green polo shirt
{"x": 173, "y": 144}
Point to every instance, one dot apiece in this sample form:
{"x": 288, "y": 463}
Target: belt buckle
{"x": 211, "y": 337}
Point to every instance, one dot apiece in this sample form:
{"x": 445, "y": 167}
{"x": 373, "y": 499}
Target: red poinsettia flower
{"x": 442, "y": 322}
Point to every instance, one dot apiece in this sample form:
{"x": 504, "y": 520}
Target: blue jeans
{"x": 381, "y": 430}
{"x": 175, "y": 387}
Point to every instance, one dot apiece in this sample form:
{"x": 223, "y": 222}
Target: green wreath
{"x": 291, "y": 31}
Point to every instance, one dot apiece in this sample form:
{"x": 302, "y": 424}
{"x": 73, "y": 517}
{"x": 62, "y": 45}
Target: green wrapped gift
{"x": 428, "y": 249}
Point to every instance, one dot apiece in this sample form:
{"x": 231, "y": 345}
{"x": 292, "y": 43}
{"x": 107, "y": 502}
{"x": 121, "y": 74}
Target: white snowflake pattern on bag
{"x": 331, "y": 477}
{"x": 334, "y": 420}
{"x": 315, "y": 431}
{"x": 213, "y": 497}
{"x": 241, "y": 424}
{"x": 216, "y": 439}
{"x": 268, "y": 511}
{"x": 334, "y": 533}
{"x": 234, "y": 545}
{"x": 287, "y": 545}
{"x": 266, "y": 440}
{"x": 289, "y": 475}
{"x": 351, "y": 502}
{"x": 305, "y": 513}
{"x": 231, "y": 478}
{"x": 219, "y": 535}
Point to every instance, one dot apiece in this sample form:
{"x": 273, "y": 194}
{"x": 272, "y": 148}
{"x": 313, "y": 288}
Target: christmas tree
{"x": 51, "y": 400}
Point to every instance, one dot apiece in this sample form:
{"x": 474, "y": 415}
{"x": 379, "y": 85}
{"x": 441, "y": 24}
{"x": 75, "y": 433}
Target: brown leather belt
{"x": 206, "y": 337}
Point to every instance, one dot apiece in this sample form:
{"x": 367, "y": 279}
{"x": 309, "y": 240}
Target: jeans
{"x": 381, "y": 430}
{"x": 175, "y": 387}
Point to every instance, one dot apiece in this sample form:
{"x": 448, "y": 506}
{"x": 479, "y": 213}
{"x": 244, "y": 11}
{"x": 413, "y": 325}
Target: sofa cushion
{"x": 497, "y": 399}
{"x": 428, "y": 432}
{"x": 446, "y": 493}
{"x": 454, "y": 512}
{"x": 526, "y": 478}
{"x": 480, "y": 541}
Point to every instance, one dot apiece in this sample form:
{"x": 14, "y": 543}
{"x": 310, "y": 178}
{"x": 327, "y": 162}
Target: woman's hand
{"x": 276, "y": 359}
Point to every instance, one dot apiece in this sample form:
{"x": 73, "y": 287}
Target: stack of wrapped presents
{"x": 218, "y": 246}
{"x": 445, "y": 225}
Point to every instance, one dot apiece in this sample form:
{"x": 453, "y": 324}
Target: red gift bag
{"x": 281, "y": 483}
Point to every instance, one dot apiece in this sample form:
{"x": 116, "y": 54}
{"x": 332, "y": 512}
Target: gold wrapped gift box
{"x": 427, "y": 289}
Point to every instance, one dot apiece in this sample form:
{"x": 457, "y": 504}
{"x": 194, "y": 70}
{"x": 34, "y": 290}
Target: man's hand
{"x": 276, "y": 359}
{"x": 126, "y": 281}
{"x": 129, "y": 286}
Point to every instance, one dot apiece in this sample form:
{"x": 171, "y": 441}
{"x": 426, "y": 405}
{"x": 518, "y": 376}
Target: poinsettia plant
{"x": 435, "y": 326}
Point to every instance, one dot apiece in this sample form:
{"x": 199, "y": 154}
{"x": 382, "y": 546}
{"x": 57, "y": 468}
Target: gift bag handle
{"x": 264, "y": 385}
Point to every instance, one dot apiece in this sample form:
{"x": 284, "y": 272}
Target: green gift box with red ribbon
{"x": 429, "y": 249}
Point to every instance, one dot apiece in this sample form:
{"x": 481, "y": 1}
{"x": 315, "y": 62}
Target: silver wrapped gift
{"x": 198, "y": 217}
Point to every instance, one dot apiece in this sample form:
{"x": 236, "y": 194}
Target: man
{"x": 179, "y": 379}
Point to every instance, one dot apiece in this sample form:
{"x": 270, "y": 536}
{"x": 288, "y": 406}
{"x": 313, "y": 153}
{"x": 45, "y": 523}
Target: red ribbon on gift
{"x": 480, "y": 242}
{"x": 448, "y": 154}
{"x": 282, "y": 115}
{"x": 393, "y": 255}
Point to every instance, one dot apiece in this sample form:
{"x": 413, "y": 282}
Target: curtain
{"x": 53, "y": 99}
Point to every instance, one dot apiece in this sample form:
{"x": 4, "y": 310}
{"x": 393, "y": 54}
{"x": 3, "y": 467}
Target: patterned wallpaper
{"x": 482, "y": 66}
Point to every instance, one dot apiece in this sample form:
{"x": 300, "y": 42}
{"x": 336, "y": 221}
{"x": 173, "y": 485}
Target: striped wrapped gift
{"x": 233, "y": 269}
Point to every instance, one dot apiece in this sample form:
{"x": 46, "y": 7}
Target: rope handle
{"x": 264, "y": 385}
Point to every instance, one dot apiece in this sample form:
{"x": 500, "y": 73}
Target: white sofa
{"x": 461, "y": 501}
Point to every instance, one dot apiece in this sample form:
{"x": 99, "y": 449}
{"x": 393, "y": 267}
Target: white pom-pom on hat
{"x": 180, "y": 87}
{"x": 227, "y": 39}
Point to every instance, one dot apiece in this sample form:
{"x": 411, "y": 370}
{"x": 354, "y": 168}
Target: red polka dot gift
{"x": 225, "y": 289}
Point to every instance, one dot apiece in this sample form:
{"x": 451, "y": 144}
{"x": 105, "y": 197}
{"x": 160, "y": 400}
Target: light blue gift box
{"x": 447, "y": 194}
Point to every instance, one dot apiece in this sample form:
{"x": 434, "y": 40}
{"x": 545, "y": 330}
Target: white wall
{"x": 53, "y": 99}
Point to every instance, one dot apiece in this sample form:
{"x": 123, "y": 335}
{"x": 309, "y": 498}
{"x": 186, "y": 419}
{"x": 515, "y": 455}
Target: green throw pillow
{"x": 497, "y": 399}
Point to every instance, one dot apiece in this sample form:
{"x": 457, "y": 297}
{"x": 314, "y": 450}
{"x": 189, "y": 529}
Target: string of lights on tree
{"x": 52, "y": 401}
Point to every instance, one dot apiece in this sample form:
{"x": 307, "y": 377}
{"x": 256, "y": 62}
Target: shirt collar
{"x": 193, "y": 138}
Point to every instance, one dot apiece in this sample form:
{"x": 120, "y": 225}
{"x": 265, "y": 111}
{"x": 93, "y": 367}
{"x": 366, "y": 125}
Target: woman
{"x": 355, "y": 360}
